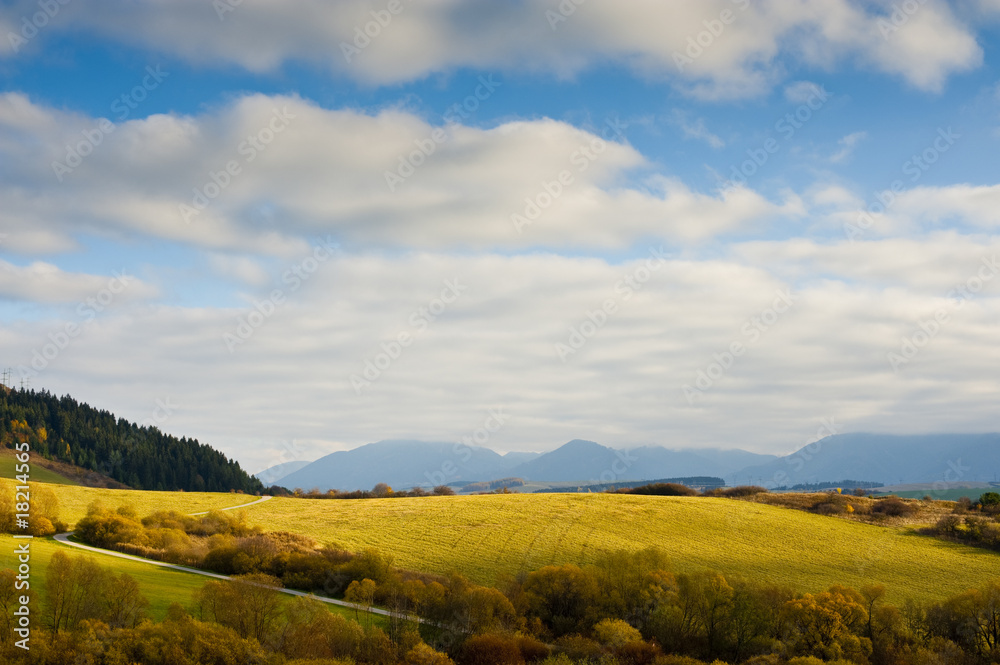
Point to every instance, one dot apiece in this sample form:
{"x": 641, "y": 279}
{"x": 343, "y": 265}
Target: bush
{"x": 660, "y": 489}
{"x": 893, "y": 506}
{"x": 490, "y": 649}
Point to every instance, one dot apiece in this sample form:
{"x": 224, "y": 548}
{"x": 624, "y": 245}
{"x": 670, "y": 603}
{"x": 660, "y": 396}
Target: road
{"x": 64, "y": 538}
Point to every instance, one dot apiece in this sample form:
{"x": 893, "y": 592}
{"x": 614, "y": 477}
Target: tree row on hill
{"x": 141, "y": 457}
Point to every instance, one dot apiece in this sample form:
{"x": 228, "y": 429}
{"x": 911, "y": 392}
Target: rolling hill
{"x": 488, "y": 537}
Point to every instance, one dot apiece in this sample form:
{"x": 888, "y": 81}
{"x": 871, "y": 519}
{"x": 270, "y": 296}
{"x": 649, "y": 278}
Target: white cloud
{"x": 696, "y": 129}
{"x": 495, "y": 346}
{"x": 848, "y": 143}
{"x": 743, "y": 56}
{"x": 330, "y": 171}
{"x": 45, "y": 283}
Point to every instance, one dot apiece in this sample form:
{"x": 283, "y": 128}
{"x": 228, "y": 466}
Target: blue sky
{"x": 267, "y": 316}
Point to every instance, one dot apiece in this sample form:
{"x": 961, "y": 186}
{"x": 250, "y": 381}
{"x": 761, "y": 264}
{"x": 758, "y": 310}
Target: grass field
{"x": 74, "y": 499}
{"x": 488, "y": 536}
{"x": 39, "y": 473}
{"x": 942, "y": 495}
{"x": 161, "y": 586}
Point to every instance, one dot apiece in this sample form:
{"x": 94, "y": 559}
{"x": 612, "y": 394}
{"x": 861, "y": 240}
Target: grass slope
{"x": 485, "y": 537}
{"x": 74, "y": 499}
{"x": 161, "y": 586}
{"x": 39, "y": 474}
{"x": 488, "y": 536}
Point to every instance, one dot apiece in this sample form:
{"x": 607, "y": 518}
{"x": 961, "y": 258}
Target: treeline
{"x": 63, "y": 429}
{"x": 692, "y": 482}
{"x": 380, "y": 491}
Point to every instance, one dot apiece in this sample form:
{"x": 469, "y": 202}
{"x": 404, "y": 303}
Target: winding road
{"x": 64, "y": 538}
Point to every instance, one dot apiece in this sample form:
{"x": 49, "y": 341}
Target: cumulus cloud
{"x": 495, "y": 345}
{"x": 45, "y": 283}
{"x": 715, "y": 49}
{"x": 262, "y": 173}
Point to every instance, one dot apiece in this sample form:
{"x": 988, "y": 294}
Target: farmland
{"x": 487, "y": 537}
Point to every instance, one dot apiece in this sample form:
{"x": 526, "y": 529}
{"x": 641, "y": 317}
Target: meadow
{"x": 492, "y": 536}
{"x": 488, "y": 537}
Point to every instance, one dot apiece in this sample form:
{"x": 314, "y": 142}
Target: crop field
{"x": 74, "y": 499}
{"x": 161, "y": 586}
{"x": 487, "y": 537}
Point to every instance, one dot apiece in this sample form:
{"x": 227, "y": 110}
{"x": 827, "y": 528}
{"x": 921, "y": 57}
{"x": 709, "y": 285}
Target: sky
{"x": 291, "y": 228}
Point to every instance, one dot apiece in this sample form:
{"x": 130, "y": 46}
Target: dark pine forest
{"x": 60, "y": 428}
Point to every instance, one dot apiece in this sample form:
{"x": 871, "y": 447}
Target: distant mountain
{"x": 273, "y": 475}
{"x": 401, "y": 464}
{"x": 591, "y": 462}
{"x": 405, "y": 464}
{"x": 887, "y": 458}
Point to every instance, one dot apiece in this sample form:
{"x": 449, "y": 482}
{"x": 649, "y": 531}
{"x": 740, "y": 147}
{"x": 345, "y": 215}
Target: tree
{"x": 362, "y": 594}
{"x": 125, "y": 604}
{"x": 562, "y": 597}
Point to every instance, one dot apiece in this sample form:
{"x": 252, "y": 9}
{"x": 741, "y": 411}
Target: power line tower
{"x": 6, "y": 377}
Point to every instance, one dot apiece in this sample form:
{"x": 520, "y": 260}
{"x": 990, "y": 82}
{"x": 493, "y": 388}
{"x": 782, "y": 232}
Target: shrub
{"x": 660, "y": 489}
{"x": 893, "y": 506}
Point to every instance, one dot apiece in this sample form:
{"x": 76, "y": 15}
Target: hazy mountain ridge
{"x": 404, "y": 464}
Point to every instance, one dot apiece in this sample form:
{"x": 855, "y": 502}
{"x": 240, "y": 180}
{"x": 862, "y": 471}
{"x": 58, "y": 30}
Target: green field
{"x": 161, "y": 586}
{"x": 486, "y": 537}
{"x": 39, "y": 474}
{"x": 941, "y": 495}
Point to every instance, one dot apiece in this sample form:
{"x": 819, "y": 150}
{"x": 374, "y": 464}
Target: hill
{"x": 488, "y": 537}
{"x": 945, "y": 458}
{"x": 74, "y": 433}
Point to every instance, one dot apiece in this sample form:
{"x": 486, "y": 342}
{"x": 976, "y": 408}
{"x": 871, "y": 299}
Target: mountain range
{"x": 868, "y": 457}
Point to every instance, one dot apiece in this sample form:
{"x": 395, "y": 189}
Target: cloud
{"x": 848, "y": 143}
{"x": 713, "y": 49}
{"x": 495, "y": 346}
{"x": 696, "y": 129}
{"x": 263, "y": 174}
{"x": 45, "y": 283}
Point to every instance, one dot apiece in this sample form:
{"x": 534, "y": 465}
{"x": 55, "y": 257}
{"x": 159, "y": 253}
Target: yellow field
{"x": 74, "y": 499}
{"x": 485, "y": 537}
